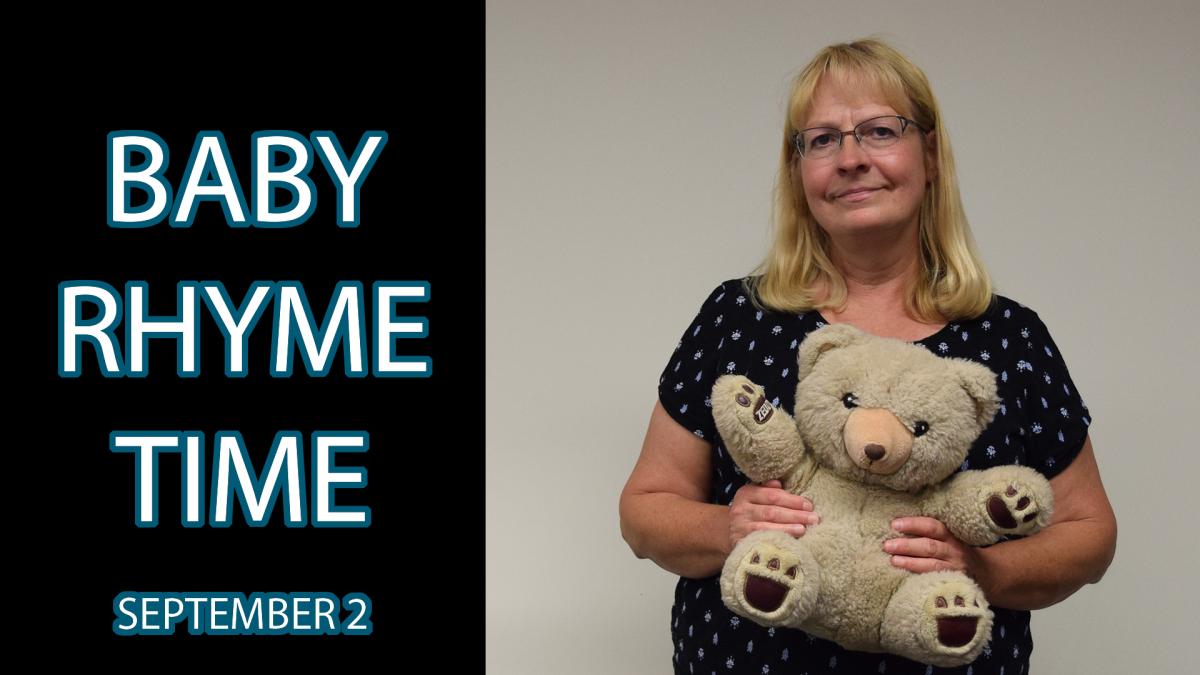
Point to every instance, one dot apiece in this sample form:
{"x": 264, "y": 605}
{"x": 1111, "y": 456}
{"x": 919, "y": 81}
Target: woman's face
{"x": 853, "y": 192}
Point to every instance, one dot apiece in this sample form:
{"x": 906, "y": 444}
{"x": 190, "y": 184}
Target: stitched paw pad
{"x": 1015, "y": 509}
{"x": 956, "y": 611}
{"x": 769, "y": 579}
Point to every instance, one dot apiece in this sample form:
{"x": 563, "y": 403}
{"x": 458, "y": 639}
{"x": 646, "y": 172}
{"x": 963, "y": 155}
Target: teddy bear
{"x": 880, "y": 428}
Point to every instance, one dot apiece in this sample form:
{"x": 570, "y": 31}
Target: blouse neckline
{"x": 944, "y": 328}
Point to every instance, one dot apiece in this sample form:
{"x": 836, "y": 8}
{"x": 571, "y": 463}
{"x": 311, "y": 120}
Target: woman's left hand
{"x": 930, "y": 547}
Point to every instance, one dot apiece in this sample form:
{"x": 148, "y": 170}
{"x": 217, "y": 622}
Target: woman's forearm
{"x": 1046, "y": 568}
{"x": 682, "y": 536}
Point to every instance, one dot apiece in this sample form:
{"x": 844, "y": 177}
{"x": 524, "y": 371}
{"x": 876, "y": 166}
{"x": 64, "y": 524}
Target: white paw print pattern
{"x": 984, "y": 355}
{"x": 730, "y": 367}
{"x": 943, "y": 347}
{"x": 776, "y": 330}
{"x": 740, "y": 300}
{"x": 735, "y": 335}
{"x": 699, "y": 353}
{"x": 768, "y": 360}
{"x": 987, "y": 325}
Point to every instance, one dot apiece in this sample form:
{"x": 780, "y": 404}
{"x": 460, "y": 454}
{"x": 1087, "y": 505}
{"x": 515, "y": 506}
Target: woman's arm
{"x": 664, "y": 511}
{"x": 1038, "y": 571}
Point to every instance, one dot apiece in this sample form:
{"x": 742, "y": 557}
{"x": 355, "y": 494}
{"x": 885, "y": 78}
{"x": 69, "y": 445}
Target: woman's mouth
{"x": 857, "y": 195}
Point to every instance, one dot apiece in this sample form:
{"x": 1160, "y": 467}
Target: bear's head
{"x": 888, "y": 412}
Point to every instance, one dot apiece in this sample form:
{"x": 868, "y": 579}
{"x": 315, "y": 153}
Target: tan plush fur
{"x": 880, "y": 426}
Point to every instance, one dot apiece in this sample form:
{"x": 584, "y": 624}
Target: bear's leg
{"x": 771, "y": 578}
{"x": 761, "y": 438}
{"x": 940, "y": 618}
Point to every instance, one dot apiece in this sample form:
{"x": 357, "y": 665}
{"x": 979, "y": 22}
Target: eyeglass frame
{"x": 904, "y": 122}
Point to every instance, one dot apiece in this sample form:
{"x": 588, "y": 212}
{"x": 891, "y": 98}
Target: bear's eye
{"x": 850, "y": 401}
{"x": 920, "y": 428}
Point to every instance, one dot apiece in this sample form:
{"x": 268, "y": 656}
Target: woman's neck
{"x": 877, "y": 273}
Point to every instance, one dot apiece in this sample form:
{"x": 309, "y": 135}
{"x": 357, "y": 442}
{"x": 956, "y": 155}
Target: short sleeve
{"x": 1058, "y": 418}
{"x": 687, "y": 379}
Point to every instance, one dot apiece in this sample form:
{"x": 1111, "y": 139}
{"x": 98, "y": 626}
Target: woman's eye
{"x": 881, "y": 132}
{"x": 920, "y": 428}
{"x": 820, "y": 140}
{"x": 850, "y": 401}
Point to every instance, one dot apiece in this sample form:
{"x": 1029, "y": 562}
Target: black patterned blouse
{"x": 1042, "y": 422}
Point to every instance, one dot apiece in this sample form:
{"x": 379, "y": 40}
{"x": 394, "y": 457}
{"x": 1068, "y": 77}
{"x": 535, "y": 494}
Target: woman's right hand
{"x": 768, "y": 507}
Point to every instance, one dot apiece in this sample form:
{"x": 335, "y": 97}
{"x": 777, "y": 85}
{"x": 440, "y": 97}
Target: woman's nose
{"x": 850, "y": 157}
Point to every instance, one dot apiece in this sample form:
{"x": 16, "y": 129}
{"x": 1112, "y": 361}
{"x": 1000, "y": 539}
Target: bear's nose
{"x": 874, "y": 452}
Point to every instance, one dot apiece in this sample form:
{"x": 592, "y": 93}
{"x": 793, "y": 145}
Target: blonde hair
{"x": 952, "y": 282}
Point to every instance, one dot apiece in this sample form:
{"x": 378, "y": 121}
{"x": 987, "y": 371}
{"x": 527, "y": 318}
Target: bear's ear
{"x": 980, "y": 383}
{"x": 822, "y": 341}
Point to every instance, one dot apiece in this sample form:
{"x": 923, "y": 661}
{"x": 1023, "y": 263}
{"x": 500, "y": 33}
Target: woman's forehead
{"x": 835, "y": 93}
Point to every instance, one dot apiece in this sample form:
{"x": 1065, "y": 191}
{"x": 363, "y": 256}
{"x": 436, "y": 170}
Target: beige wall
{"x": 630, "y": 153}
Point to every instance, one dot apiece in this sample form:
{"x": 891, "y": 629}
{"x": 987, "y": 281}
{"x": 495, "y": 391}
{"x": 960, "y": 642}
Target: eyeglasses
{"x": 876, "y": 133}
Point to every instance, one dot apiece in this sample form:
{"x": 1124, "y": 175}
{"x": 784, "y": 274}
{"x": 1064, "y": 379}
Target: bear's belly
{"x": 857, "y": 577}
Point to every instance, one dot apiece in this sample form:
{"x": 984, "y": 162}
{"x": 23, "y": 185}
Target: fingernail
{"x": 897, "y": 523}
{"x": 889, "y": 545}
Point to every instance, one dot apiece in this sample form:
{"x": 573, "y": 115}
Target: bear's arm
{"x": 980, "y": 506}
{"x": 761, "y": 438}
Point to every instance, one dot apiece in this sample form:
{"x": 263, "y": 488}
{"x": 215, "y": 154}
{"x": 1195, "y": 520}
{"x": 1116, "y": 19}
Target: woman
{"x": 870, "y": 232}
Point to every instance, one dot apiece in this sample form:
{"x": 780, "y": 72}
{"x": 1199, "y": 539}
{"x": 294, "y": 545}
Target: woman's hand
{"x": 768, "y": 507}
{"x": 930, "y": 547}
